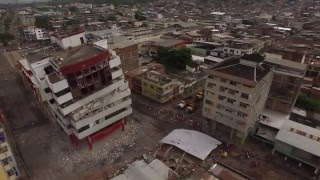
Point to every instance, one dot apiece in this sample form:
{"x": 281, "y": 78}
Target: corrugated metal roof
{"x": 296, "y": 139}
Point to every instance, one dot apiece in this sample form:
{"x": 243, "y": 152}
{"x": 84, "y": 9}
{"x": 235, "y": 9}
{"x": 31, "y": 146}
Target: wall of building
{"x": 129, "y": 57}
{"x": 71, "y": 41}
{"x": 235, "y": 105}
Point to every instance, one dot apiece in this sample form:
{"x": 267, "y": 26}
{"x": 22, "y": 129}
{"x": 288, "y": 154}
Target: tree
{"x": 177, "y": 59}
{"x": 73, "y": 9}
{"x": 307, "y": 103}
{"x": 111, "y": 18}
{"x": 71, "y": 22}
{"x": 43, "y": 22}
{"x": 5, "y": 37}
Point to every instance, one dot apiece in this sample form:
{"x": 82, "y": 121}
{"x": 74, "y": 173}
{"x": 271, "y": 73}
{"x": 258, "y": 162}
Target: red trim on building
{"x": 104, "y": 133}
{"x": 83, "y": 64}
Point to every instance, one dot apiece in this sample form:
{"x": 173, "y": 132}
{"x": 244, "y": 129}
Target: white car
{"x": 182, "y": 104}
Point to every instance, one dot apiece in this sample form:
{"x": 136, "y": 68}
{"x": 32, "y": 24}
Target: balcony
{"x": 98, "y": 106}
{"x": 117, "y": 72}
{"x": 102, "y": 114}
{"x": 64, "y": 98}
{"x": 114, "y": 62}
{"x": 56, "y": 83}
{"x": 91, "y": 97}
{"x": 104, "y": 124}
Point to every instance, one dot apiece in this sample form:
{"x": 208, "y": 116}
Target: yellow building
{"x": 8, "y": 165}
{"x": 160, "y": 87}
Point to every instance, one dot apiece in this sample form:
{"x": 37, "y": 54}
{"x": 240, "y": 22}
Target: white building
{"x": 84, "y": 87}
{"x": 69, "y": 39}
{"x": 236, "y": 92}
{"x": 300, "y": 142}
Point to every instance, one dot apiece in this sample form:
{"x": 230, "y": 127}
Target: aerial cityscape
{"x": 159, "y": 89}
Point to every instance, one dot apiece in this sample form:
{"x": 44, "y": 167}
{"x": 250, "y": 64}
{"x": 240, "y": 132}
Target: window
{"x": 47, "y": 90}
{"x": 83, "y": 128}
{"x": 62, "y": 92}
{"x": 5, "y": 161}
{"x": 244, "y": 105}
{"x": 301, "y": 133}
{"x": 223, "y": 80}
{"x": 242, "y": 114}
{"x": 233, "y": 83}
{"x": 52, "y": 101}
{"x": 230, "y": 110}
{"x": 229, "y": 100}
{"x": 208, "y": 102}
{"x": 244, "y": 95}
{"x": 221, "y": 97}
{"x": 210, "y": 85}
{"x": 220, "y": 106}
{"x": 10, "y": 172}
{"x": 223, "y": 89}
{"x": 233, "y": 92}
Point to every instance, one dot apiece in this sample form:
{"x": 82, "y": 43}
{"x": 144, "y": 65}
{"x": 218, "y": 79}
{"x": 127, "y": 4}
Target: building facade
{"x": 8, "y": 166}
{"x": 84, "y": 88}
{"x": 128, "y": 53}
{"x": 236, "y": 92}
{"x": 152, "y": 82}
{"x": 287, "y": 80}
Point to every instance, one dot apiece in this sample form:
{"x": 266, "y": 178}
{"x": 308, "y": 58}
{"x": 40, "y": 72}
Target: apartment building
{"x": 8, "y": 166}
{"x": 152, "y": 82}
{"x": 84, "y": 87}
{"x": 236, "y": 92}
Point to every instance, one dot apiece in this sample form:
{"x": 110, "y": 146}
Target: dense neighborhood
{"x": 159, "y": 89}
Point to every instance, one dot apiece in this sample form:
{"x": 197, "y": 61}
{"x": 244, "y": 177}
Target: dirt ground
{"x": 50, "y": 154}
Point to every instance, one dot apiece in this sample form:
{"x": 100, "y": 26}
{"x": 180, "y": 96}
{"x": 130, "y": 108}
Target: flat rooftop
{"x": 76, "y": 54}
{"x": 166, "y": 42}
{"x": 272, "y": 118}
{"x": 233, "y": 67}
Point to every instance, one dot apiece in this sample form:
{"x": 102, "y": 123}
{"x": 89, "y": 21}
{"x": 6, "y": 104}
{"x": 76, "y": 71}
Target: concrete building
{"x": 300, "y": 142}
{"x": 241, "y": 47}
{"x": 236, "y": 92}
{"x": 168, "y": 44}
{"x": 84, "y": 88}
{"x": 128, "y": 52}
{"x": 8, "y": 166}
{"x": 287, "y": 80}
{"x": 151, "y": 81}
{"x": 32, "y": 33}
{"x": 71, "y": 39}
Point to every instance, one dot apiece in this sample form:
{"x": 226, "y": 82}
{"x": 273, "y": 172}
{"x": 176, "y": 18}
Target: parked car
{"x": 200, "y": 95}
{"x": 191, "y": 107}
{"x": 182, "y": 104}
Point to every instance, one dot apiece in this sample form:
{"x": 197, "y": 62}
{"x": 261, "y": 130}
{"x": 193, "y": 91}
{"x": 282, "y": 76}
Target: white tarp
{"x": 193, "y": 142}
